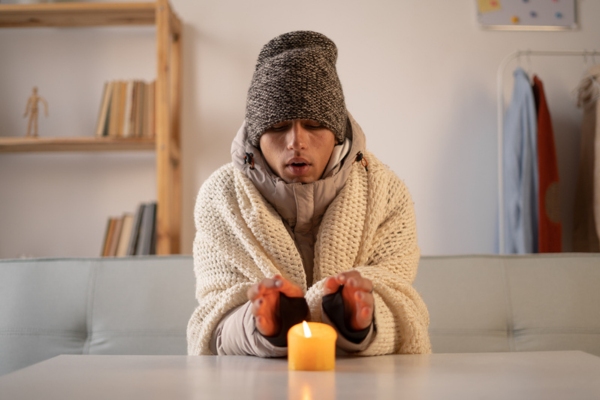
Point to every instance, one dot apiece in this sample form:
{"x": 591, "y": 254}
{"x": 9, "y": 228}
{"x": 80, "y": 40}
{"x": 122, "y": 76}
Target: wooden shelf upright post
{"x": 168, "y": 163}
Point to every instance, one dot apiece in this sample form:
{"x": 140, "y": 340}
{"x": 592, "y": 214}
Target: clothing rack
{"x": 500, "y": 126}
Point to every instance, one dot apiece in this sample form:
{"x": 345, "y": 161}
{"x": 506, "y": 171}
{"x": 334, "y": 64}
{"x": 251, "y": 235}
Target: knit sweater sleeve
{"x": 380, "y": 243}
{"x": 239, "y": 241}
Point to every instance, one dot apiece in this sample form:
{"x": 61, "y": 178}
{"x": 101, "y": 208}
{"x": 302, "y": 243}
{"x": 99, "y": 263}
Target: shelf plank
{"x": 76, "y": 14}
{"x": 44, "y": 144}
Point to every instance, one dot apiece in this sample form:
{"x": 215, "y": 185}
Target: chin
{"x": 296, "y": 179}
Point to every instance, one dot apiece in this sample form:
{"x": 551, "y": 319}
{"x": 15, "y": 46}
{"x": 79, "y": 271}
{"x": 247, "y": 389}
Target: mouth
{"x": 298, "y": 162}
{"x": 298, "y": 166}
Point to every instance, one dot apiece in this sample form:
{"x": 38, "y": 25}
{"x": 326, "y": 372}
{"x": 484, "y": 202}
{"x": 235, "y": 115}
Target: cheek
{"x": 327, "y": 149}
{"x": 270, "y": 151}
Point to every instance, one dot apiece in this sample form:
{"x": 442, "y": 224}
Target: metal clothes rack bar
{"x": 500, "y": 126}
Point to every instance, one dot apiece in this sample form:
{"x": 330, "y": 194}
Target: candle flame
{"x": 307, "y": 332}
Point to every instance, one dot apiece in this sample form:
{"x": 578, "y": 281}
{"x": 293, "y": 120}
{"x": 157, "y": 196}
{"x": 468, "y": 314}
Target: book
{"x": 147, "y": 228}
{"x": 111, "y": 237}
{"x": 134, "y": 116}
{"x": 125, "y": 235}
{"x": 107, "y": 237}
{"x": 114, "y": 109}
{"x": 127, "y": 109}
{"x": 114, "y": 241}
{"x": 121, "y": 107}
{"x": 149, "y": 116}
{"x": 139, "y": 116}
{"x": 126, "y": 130}
{"x": 101, "y": 126}
{"x": 135, "y": 230}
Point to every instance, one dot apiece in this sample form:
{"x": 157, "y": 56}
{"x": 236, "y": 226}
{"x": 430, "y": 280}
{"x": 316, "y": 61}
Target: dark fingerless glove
{"x": 333, "y": 306}
{"x": 292, "y": 311}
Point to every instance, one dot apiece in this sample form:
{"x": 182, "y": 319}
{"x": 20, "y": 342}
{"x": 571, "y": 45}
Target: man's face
{"x": 298, "y": 150}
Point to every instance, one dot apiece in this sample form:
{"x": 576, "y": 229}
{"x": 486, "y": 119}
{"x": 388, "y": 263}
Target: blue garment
{"x": 520, "y": 169}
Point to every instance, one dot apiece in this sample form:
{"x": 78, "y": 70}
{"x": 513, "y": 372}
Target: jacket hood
{"x": 301, "y": 205}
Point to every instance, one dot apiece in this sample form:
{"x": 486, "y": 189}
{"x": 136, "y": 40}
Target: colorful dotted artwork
{"x": 527, "y": 14}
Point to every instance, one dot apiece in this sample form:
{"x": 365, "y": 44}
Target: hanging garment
{"x": 586, "y": 221}
{"x": 520, "y": 169}
{"x": 549, "y": 225}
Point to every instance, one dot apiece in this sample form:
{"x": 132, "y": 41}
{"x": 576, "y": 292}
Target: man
{"x": 304, "y": 223}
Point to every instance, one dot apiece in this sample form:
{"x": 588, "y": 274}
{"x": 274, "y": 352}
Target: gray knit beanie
{"x": 295, "y": 78}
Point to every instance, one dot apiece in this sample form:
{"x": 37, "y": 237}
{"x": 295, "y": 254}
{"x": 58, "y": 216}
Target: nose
{"x": 297, "y": 136}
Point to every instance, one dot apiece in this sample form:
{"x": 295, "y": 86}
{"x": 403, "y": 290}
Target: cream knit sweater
{"x": 370, "y": 226}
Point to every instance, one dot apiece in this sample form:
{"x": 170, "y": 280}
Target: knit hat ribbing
{"x": 296, "y": 78}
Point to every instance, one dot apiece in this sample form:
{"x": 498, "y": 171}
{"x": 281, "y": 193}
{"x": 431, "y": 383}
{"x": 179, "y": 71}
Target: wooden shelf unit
{"x": 166, "y": 143}
{"x": 41, "y": 144}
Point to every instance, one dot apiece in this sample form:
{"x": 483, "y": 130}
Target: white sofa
{"x": 141, "y": 305}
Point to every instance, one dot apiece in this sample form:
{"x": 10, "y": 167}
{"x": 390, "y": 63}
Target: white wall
{"x": 419, "y": 76}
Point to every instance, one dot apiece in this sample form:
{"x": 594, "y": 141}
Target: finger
{"x": 363, "y": 314}
{"x": 264, "y": 310}
{"x": 260, "y": 322}
{"x": 366, "y": 308}
{"x": 364, "y": 317}
{"x": 267, "y": 284}
{"x": 331, "y": 285}
{"x": 286, "y": 287}
{"x": 253, "y": 292}
{"x": 364, "y": 299}
{"x": 257, "y": 306}
{"x": 260, "y": 288}
{"x": 263, "y": 325}
{"x": 349, "y": 278}
{"x": 342, "y": 278}
{"x": 360, "y": 283}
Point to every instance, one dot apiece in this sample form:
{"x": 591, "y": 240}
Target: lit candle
{"x": 311, "y": 347}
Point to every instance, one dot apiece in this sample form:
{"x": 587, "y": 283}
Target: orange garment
{"x": 549, "y": 224}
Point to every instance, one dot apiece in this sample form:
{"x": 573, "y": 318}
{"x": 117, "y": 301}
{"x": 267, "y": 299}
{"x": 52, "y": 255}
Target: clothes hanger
{"x": 588, "y": 90}
{"x": 527, "y": 68}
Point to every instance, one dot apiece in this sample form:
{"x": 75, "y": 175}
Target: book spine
{"x": 107, "y": 237}
{"x": 103, "y": 108}
{"x": 144, "y": 245}
{"x": 127, "y": 109}
{"x": 135, "y": 231}
{"x": 125, "y": 235}
{"x": 114, "y": 109}
{"x": 114, "y": 242}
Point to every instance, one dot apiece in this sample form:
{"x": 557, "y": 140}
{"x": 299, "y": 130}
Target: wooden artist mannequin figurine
{"x": 32, "y": 111}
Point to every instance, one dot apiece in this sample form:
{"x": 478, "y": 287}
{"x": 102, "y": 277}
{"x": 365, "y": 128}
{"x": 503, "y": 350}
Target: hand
{"x": 264, "y": 297}
{"x": 357, "y": 295}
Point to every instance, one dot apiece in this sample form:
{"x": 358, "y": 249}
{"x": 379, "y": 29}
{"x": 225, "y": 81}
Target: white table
{"x": 536, "y": 375}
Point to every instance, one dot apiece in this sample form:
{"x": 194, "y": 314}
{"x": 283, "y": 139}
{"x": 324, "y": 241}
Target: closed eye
{"x": 282, "y": 127}
{"x": 313, "y": 125}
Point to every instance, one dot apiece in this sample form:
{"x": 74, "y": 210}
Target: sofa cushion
{"x": 466, "y": 299}
{"x": 555, "y": 303}
{"x": 130, "y": 305}
{"x": 141, "y": 307}
{"x": 512, "y": 303}
{"x": 43, "y": 309}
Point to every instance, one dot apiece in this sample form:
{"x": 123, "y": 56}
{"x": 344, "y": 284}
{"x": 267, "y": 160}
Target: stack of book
{"x": 127, "y": 110}
{"x": 131, "y": 234}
